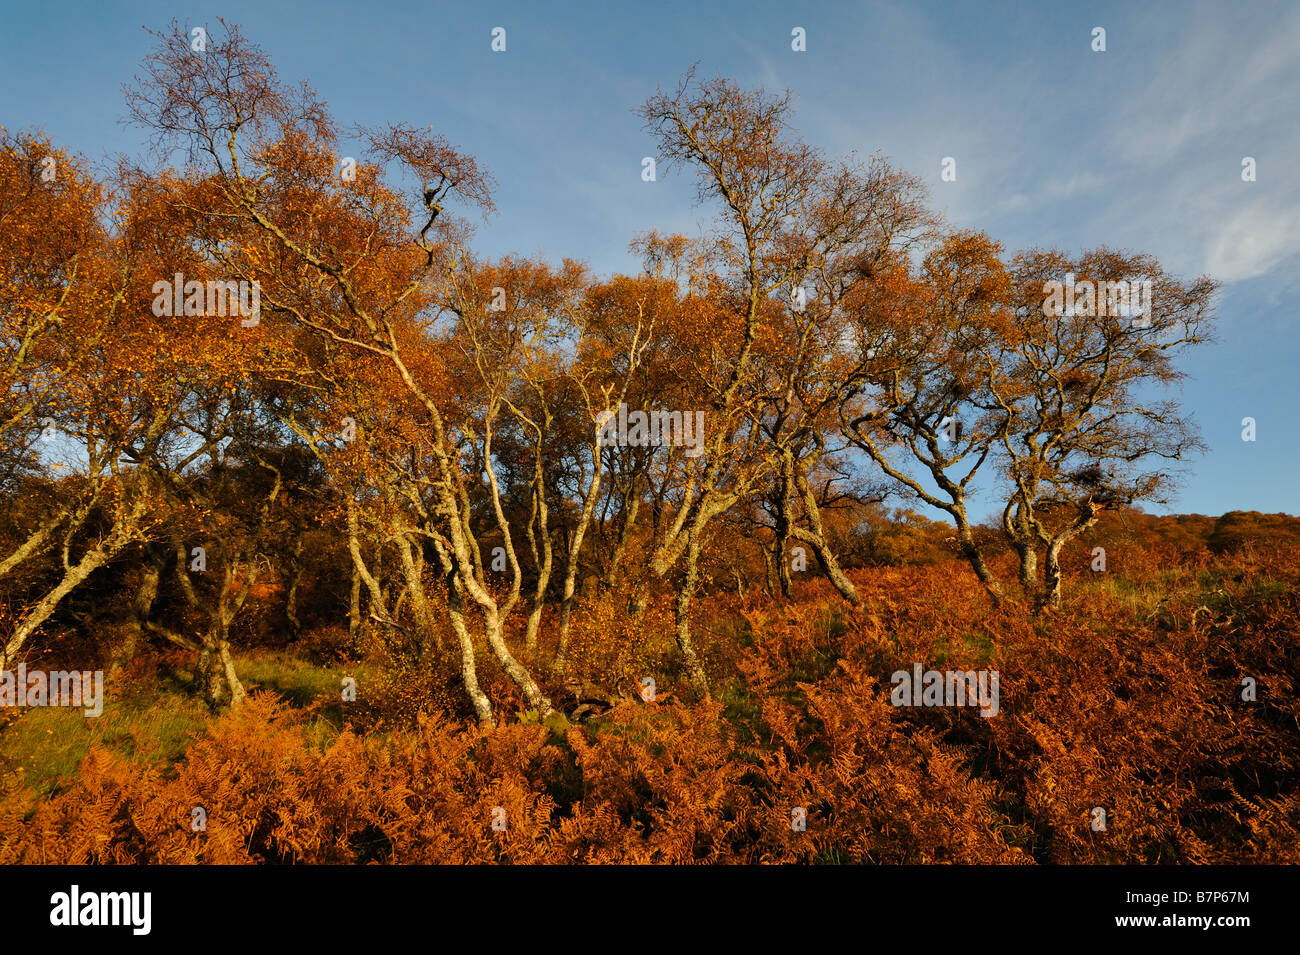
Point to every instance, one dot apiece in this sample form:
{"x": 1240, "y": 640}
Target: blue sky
{"x": 1139, "y": 147}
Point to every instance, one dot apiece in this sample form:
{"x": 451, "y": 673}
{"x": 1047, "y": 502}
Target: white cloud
{"x": 1081, "y": 183}
{"x": 1253, "y": 241}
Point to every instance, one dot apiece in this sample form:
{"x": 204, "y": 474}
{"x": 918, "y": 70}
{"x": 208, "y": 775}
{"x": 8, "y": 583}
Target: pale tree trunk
{"x": 970, "y": 550}
{"x": 354, "y": 605}
{"x": 462, "y": 563}
{"x": 533, "y": 695}
{"x": 830, "y": 566}
{"x": 682, "y": 542}
{"x": 44, "y": 608}
{"x": 463, "y": 570}
{"x": 471, "y": 577}
{"x": 1027, "y": 551}
{"x": 468, "y": 664}
{"x": 210, "y": 688}
{"x": 378, "y": 606}
{"x": 291, "y": 598}
{"x": 220, "y": 684}
{"x": 35, "y": 542}
{"x": 1052, "y": 566}
{"x": 216, "y": 666}
{"x": 954, "y": 507}
{"x": 575, "y": 548}
{"x": 631, "y": 506}
{"x": 494, "y": 614}
{"x": 816, "y": 536}
{"x": 682, "y": 631}
{"x": 415, "y": 589}
{"x": 543, "y": 553}
{"x": 770, "y": 556}
{"x": 1052, "y": 574}
{"x": 141, "y": 608}
{"x": 125, "y": 529}
{"x": 783, "y": 577}
{"x": 740, "y": 583}
{"x": 237, "y": 694}
{"x": 217, "y": 678}
{"x": 1016, "y": 525}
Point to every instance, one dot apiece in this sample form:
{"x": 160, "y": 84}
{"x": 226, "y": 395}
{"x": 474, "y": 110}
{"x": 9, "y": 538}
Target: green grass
{"x": 154, "y": 720}
{"x": 43, "y": 746}
{"x": 304, "y": 684}
{"x": 1141, "y": 599}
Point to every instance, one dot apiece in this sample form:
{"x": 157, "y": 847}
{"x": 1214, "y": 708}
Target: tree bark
{"x": 816, "y": 536}
{"x": 682, "y": 631}
{"x": 468, "y": 664}
{"x": 543, "y": 553}
{"x": 571, "y": 571}
{"x": 124, "y": 530}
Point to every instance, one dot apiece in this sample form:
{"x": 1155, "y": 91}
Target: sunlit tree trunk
{"x": 125, "y": 529}
{"x": 682, "y": 629}
{"x": 539, "y": 540}
{"x": 571, "y": 569}
{"x": 468, "y": 664}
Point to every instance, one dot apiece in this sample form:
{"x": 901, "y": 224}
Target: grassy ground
{"x": 155, "y": 718}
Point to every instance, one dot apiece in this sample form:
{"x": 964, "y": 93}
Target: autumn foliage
{"x": 337, "y": 503}
{"x": 1134, "y": 707}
